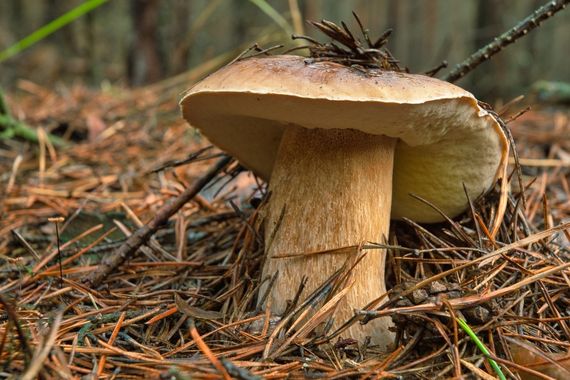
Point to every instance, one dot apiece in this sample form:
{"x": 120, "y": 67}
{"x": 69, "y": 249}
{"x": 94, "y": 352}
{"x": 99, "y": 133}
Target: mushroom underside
{"x": 443, "y": 145}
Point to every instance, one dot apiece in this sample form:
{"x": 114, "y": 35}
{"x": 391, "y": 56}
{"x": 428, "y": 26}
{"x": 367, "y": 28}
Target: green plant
{"x": 50, "y": 28}
{"x": 481, "y": 347}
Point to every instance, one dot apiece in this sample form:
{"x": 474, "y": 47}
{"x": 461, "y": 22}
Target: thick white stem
{"x": 330, "y": 189}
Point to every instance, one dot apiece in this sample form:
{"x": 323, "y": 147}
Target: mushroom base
{"x": 330, "y": 189}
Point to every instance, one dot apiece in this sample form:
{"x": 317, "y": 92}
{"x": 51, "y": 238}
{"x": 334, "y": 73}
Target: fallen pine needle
{"x": 207, "y": 352}
{"x": 162, "y": 315}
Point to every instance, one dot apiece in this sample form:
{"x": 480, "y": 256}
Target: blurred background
{"x": 139, "y": 42}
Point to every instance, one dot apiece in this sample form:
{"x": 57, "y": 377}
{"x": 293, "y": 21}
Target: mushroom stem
{"x": 330, "y": 189}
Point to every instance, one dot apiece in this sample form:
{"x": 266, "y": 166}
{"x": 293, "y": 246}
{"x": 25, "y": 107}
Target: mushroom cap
{"x": 445, "y": 140}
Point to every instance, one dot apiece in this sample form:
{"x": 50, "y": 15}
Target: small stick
{"x": 507, "y": 38}
{"x": 141, "y": 236}
{"x": 193, "y": 157}
{"x": 57, "y": 221}
{"x": 25, "y": 244}
{"x": 436, "y": 69}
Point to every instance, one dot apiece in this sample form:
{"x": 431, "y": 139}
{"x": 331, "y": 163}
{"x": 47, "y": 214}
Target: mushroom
{"x": 342, "y": 150}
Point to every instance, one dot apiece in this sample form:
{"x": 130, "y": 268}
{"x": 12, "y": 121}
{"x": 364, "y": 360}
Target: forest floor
{"x": 185, "y": 305}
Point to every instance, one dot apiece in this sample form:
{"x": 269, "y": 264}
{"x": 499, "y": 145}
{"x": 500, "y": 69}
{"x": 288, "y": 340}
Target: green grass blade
{"x": 10, "y": 128}
{"x": 274, "y": 15}
{"x": 481, "y": 347}
{"x": 4, "y": 110}
{"x": 50, "y": 28}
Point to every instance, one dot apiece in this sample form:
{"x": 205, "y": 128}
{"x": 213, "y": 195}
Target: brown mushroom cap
{"x": 445, "y": 139}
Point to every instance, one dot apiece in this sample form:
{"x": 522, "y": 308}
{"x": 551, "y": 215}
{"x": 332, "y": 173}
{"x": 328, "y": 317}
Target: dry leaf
{"x": 195, "y": 312}
{"x": 95, "y": 126}
{"x": 555, "y": 365}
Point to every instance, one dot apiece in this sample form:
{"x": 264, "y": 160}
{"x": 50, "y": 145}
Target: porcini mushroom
{"x": 342, "y": 150}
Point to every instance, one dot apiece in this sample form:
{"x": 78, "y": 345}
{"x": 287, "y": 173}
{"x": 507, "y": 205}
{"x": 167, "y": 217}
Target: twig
{"x": 507, "y": 38}
{"x": 433, "y": 72}
{"x": 258, "y": 51}
{"x": 141, "y": 236}
{"x": 192, "y": 157}
{"x": 25, "y": 244}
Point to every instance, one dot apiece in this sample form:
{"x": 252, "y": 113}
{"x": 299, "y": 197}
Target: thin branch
{"x": 143, "y": 234}
{"x": 507, "y": 38}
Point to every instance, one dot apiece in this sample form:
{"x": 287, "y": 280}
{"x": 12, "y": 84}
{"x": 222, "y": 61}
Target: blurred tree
{"x": 142, "y": 41}
{"x": 489, "y": 25}
{"x": 179, "y": 29}
{"x": 144, "y": 63}
{"x": 311, "y": 9}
